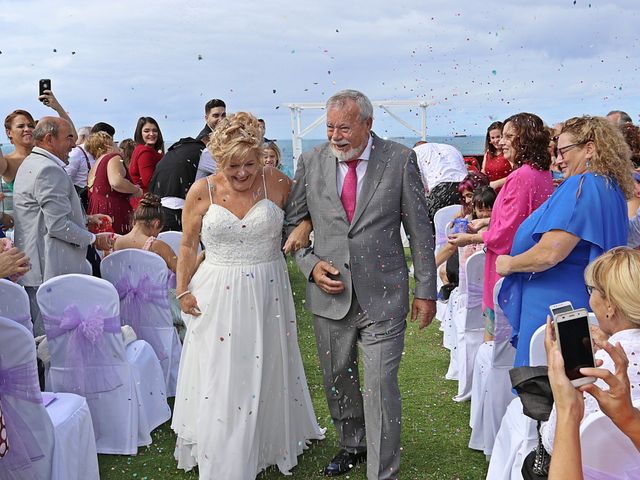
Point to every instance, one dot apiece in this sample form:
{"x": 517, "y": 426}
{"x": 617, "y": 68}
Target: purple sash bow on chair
{"x": 133, "y": 299}
{"x": 88, "y": 366}
{"x": 20, "y": 382}
{"x": 474, "y": 295}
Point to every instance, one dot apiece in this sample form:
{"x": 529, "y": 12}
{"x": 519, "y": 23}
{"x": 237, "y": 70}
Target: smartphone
{"x": 558, "y": 308}
{"x": 44, "y": 84}
{"x": 574, "y": 335}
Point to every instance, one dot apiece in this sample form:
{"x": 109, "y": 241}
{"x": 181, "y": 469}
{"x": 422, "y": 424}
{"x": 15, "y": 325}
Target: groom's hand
{"x": 424, "y": 311}
{"x": 321, "y": 277}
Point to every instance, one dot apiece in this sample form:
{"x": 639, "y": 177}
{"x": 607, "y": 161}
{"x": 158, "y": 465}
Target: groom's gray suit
{"x": 374, "y": 304}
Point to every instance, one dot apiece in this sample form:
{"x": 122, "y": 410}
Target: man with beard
{"x": 358, "y": 189}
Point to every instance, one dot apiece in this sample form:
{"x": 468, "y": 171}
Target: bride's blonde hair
{"x": 235, "y": 137}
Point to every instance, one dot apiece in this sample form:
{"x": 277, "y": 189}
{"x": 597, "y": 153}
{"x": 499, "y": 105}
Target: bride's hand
{"x": 299, "y": 237}
{"x": 189, "y": 305}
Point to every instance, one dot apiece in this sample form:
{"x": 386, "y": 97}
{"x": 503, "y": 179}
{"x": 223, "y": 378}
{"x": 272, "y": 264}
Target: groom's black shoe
{"x": 343, "y": 462}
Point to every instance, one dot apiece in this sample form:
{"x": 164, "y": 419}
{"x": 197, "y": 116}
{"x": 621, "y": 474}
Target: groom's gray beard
{"x": 344, "y": 156}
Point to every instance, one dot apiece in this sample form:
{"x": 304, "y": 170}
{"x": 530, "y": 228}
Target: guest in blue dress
{"x": 585, "y": 217}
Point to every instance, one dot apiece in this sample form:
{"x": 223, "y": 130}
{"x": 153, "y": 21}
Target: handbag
{"x": 4, "y": 441}
{"x": 533, "y": 388}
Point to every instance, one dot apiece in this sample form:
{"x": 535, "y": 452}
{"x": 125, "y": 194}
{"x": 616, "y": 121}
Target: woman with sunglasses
{"x": 585, "y": 217}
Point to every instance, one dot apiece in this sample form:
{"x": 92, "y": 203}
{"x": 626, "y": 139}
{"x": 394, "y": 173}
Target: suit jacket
{"x": 368, "y": 252}
{"x": 49, "y": 220}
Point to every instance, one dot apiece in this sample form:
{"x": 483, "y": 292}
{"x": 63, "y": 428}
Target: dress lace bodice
{"x": 254, "y": 239}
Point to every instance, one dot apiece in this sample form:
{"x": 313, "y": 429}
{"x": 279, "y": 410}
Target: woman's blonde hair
{"x": 616, "y": 274}
{"x": 612, "y": 157}
{"x": 98, "y": 144}
{"x": 276, "y": 150}
{"x": 235, "y": 137}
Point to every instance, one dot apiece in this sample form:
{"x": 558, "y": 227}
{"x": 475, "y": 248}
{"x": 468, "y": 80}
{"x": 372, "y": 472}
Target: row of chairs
{"x": 108, "y": 396}
{"x": 499, "y": 427}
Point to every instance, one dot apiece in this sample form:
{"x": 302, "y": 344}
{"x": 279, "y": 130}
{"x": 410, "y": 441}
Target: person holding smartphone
{"x": 612, "y": 284}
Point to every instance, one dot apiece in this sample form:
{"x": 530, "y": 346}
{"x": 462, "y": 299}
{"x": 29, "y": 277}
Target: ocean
{"x": 468, "y": 145}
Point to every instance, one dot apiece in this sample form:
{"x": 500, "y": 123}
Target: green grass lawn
{"x": 435, "y": 429}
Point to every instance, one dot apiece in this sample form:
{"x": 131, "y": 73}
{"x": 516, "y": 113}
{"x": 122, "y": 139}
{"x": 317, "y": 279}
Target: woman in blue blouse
{"x": 586, "y": 216}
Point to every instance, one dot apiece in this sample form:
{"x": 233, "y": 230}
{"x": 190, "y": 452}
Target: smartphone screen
{"x": 575, "y": 344}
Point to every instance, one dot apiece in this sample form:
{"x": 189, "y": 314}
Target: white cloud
{"x": 474, "y": 61}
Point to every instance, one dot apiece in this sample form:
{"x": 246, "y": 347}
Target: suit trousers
{"x": 36, "y": 316}
{"x": 378, "y": 405}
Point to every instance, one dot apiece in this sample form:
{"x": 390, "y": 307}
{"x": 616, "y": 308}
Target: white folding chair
{"x": 141, "y": 281}
{"x": 469, "y": 323}
{"x": 491, "y": 389}
{"x": 441, "y": 219}
{"x": 59, "y": 439}
{"x": 606, "y": 451}
{"x": 124, "y": 389}
{"x": 15, "y": 304}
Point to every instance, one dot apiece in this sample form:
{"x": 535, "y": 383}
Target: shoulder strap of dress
{"x": 209, "y": 188}
{"x": 264, "y": 185}
{"x": 147, "y": 243}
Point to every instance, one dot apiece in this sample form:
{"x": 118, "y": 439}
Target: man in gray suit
{"x": 358, "y": 189}
{"x": 50, "y": 225}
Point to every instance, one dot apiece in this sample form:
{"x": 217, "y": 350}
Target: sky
{"x": 473, "y": 62}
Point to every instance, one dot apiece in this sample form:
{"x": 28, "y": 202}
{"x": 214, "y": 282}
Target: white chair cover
{"x": 491, "y": 390}
{"x": 454, "y": 308}
{"x": 74, "y": 456}
{"x": 29, "y": 428}
{"x": 441, "y": 219}
{"x": 15, "y": 304}
{"x": 172, "y": 238}
{"x": 469, "y": 324}
{"x": 517, "y": 435}
{"x": 537, "y": 353}
{"x": 607, "y": 453}
{"x": 141, "y": 281}
{"x": 516, "y": 438}
{"x": 122, "y": 416}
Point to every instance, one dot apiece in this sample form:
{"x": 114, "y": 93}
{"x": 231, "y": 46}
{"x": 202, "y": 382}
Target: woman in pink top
{"x": 524, "y": 144}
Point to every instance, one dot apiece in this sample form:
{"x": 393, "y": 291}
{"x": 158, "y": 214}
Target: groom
{"x": 358, "y": 189}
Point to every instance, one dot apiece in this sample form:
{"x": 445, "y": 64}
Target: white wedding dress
{"x": 242, "y": 399}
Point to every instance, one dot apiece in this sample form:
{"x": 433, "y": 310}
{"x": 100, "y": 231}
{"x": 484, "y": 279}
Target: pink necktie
{"x": 349, "y": 189}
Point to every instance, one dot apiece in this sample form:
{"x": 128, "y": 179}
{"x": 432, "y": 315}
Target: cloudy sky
{"x": 472, "y": 61}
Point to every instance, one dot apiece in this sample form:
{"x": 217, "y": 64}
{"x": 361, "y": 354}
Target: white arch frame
{"x": 297, "y": 132}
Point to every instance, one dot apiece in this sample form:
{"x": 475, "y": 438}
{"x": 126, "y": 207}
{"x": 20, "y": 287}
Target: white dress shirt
{"x": 633, "y": 239}
{"x": 77, "y": 167}
{"x": 343, "y": 168}
{"x": 440, "y": 163}
{"x": 206, "y": 165}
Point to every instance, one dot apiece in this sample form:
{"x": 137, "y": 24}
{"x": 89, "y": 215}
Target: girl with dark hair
{"x": 524, "y": 143}
{"x": 148, "y": 152}
{"x": 494, "y": 164}
{"x": 148, "y": 219}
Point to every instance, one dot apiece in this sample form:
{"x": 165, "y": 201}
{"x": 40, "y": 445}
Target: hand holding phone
{"x": 574, "y": 336}
{"x": 44, "y": 86}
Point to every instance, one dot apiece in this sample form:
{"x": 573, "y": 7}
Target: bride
{"x": 242, "y": 402}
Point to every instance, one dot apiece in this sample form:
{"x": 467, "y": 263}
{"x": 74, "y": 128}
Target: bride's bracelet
{"x": 178, "y": 297}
